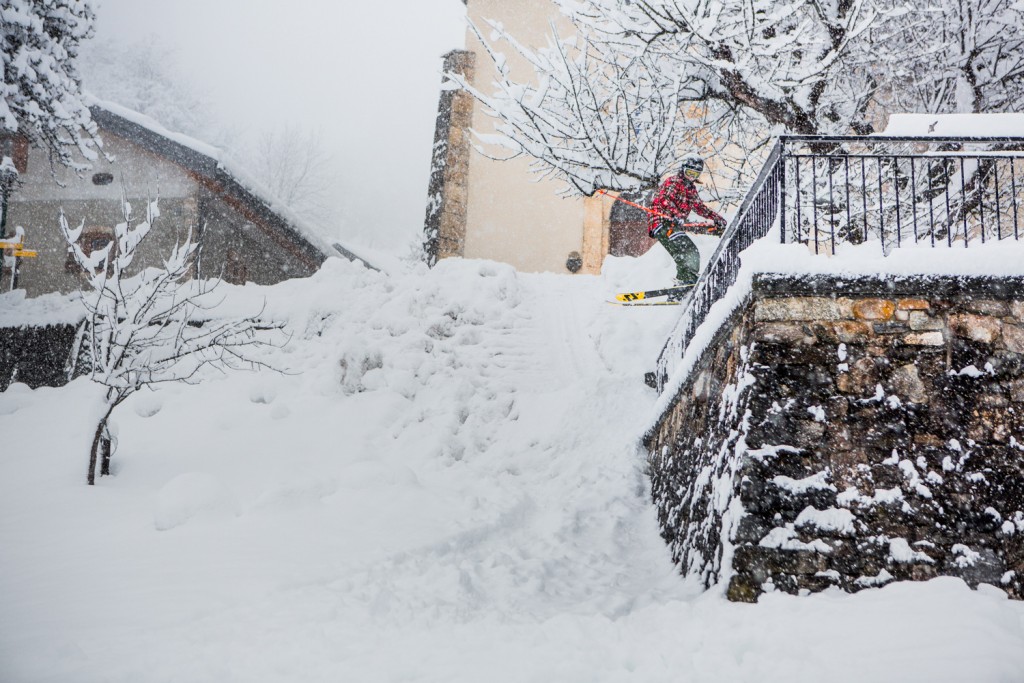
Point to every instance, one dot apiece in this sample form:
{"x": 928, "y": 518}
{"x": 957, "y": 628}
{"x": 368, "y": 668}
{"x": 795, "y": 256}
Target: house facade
{"x": 244, "y": 236}
{"x": 480, "y": 207}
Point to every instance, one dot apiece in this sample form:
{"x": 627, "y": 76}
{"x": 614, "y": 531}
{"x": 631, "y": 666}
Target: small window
{"x": 93, "y": 239}
{"x": 102, "y": 178}
{"x": 15, "y": 147}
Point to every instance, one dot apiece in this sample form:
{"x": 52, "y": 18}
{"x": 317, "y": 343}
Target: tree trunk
{"x": 93, "y": 452}
{"x": 105, "y": 451}
{"x": 100, "y": 451}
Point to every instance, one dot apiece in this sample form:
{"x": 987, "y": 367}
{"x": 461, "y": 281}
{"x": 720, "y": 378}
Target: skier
{"x": 677, "y": 198}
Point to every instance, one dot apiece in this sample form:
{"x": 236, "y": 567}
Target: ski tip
{"x": 629, "y": 296}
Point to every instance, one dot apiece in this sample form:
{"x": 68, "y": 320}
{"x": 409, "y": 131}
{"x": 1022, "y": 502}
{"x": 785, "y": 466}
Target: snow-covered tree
{"x": 144, "y": 75}
{"x": 297, "y": 169}
{"x": 598, "y": 116}
{"x": 41, "y": 88}
{"x": 959, "y": 56}
{"x": 151, "y": 328}
{"x": 716, "y": 72}
{"x": 642, "y": 82}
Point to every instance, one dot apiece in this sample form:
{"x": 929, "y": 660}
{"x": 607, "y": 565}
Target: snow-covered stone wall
{"x": 851, "y": 432}
{"x": 447, "y": 195}
{"x": 35, "y": 356}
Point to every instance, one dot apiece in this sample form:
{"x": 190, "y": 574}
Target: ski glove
{"x": 660, "y": 230}
{"x": 719, "y": 226}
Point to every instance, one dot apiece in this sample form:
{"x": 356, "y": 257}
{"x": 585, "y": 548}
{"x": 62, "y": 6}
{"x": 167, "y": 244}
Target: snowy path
{"x": 447, "y": 489}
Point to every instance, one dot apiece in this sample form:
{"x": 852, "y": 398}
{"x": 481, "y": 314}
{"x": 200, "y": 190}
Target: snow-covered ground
{"x": 444, "y": 484}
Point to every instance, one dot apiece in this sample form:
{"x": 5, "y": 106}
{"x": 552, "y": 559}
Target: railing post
{"x": 782, "y": 189}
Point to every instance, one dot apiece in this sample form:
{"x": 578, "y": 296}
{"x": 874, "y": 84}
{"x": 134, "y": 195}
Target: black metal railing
{"x": 755, "y": 218}
{"x": 899, "y": 191}
{"x": 902, "y": 190}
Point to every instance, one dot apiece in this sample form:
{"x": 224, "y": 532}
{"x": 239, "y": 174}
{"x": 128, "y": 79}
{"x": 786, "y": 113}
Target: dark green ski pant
{"x": 684, "y": 252}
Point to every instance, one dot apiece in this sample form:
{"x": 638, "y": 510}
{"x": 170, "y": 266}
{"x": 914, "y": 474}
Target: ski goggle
{"x": 691, "y": 173}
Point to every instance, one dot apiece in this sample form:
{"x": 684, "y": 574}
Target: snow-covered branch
{"x": 645, "y": 82}
{"x": 153, "y": 327}
{"x": 41, "y": 89}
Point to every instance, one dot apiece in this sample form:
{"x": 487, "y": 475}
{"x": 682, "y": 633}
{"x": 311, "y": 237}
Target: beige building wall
{"x": 513, "y": 215}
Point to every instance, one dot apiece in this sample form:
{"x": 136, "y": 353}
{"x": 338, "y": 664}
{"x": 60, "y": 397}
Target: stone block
{"x": 928, "y": 441}
{"x": 839, "y": 407}
{"x": 1017, "y": 391}
{"x": 979, "y": 328}
{"x": 893, "y": 327}
{"x": 851, "y": 332}
{"x": 743, "y": 589}
{"x": 783, "y": 333}
{"x": 873, "y": 309}
{"x": 800, "y": 309}
{"x": 920, "y": 321}
{"x": 924, "y": 339}
{"x": 844, "y": 461}
{"x": 1017, "y": 310}
{"x": 987, "y": 307}
{"x": 1013, "y": 337}
{"x": 759, "y": 563}
{"x": 751, "y": 529}
{"x": 922, "y": 572}
{"x": 808, "y": 433}
{"x": 906, "y": 382}
{"x": 993, "y": 400}
{"x": 860, "y": 379}
{"x": 912, "y": 305}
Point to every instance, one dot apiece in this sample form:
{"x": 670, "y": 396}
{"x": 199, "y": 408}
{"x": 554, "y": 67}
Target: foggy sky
{"x": 365, "y": 72}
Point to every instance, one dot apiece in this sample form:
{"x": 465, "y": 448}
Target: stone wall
{"x": 695, "y": 452}
{"x": 850, "y": 433}
{"x": 448, "y": 192}
{"x": 36, "y": 356}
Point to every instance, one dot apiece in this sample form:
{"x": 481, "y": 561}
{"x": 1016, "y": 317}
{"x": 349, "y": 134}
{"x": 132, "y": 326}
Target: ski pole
{"x": 656, "y": 213}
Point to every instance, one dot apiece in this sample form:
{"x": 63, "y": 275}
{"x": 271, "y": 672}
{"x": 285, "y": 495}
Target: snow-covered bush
{"x": 151, "y": 328}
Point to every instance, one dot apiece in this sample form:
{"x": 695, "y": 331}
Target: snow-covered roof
{"x": 216, "y": 164}
{"x": 956, "y": 125}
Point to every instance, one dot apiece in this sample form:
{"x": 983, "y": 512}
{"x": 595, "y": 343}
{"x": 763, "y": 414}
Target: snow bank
{"x": 194, "y": 495}
{"x": 994, "y": 259}
{"x": 443, "y": 484}
{"x": 49, "y": 309}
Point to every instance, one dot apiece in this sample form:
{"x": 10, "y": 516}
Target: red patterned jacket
{"x": 677, "y": 198}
